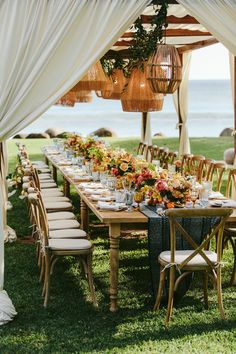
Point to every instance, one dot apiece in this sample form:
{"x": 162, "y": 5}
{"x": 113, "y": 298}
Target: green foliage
{"x": 144, "y": 42}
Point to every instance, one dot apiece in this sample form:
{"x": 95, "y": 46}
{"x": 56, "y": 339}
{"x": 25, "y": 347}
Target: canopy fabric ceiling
{"x": 182, "y": 30}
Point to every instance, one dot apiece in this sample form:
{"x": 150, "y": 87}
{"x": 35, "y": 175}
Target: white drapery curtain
{"x": 146, "y": 131}
{"x": 218, "y": 17}
{"x": 180, "y": 98}
{"x": 46, "y": 47}
{"x": 232, "y": 73}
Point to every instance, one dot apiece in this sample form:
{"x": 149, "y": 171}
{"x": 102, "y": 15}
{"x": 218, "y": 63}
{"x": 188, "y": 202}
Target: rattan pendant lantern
{"x": 69, "y": 99}
{"x": 107, "y": 91}
{"x": 95, "y": 79}
{"x": 119, "y": 82}
{"x": 164, "y": 70}
{"x": 138, "y": 96}
{"x": 84, "y": 96}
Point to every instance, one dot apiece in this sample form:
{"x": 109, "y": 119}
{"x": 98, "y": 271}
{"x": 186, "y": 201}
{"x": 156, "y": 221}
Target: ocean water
{"x": 210, "y": 111}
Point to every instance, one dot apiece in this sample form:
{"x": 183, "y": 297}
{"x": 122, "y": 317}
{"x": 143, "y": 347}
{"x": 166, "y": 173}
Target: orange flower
{"x": 124, "y": 166}
{"x": 170, "y": 205}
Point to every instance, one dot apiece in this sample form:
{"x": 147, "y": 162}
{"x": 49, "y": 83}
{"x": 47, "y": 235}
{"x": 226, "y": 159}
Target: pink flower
{"x": 161, "y": 185}
{"x": 115, "y": 171}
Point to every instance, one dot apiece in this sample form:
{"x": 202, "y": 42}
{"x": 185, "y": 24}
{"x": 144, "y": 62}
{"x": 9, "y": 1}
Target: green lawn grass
{"x": 72, "y": 325}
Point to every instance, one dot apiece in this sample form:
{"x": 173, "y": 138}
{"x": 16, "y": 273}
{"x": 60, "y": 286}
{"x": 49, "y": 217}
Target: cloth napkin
{"x": 91, "y": 185}
{"x": 215, "y": 195}
{"x": 95, "y": 191}
{"x": 108, "y": 206}
{"x": 108, "y": 198}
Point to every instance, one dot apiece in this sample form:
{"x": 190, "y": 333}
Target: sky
{"x": 210, "y": 63}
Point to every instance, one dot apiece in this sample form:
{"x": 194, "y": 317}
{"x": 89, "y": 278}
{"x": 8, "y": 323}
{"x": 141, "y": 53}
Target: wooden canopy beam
{"x": 174, "y": 33}
{"x": 197, "y": 45}
{"x": 171, "y": 19}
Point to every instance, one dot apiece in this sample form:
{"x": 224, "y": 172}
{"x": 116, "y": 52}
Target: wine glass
{"x": 194, "y": 195}
{"x": 138, "y": 197}
{"x": 129, "y": 190}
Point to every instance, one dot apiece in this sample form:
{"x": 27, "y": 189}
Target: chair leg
{"x": 90, "y": 279}
{"x": 42, "y": 271}
{"x": 160, "y": 289}
{"x": 205, "y": 289}
{"x": 219, "y": 294}
{"x": 171, "y": 295}
{"x": 233, "y": 277}
{"x": 47, "y": 279}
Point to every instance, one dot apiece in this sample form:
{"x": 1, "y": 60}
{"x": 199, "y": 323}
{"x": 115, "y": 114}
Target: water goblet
{"x": 129, "y": 199}
{"x": 194, "y": 193}
{"x": 138, "y": 197}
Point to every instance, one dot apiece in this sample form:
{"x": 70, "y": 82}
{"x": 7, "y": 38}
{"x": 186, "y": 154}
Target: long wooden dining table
{"x": 115, "y": 220}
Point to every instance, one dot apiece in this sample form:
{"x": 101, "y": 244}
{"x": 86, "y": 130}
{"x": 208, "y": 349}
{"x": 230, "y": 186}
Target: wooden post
{"x": 179, "y": 112}
{"x": 144, "y": 125}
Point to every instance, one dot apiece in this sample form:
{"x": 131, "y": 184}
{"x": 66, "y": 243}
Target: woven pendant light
{"x": 164, "y": 70}
{"x": 138, "y": 96}
{"x": 84, "y": 96}
{"x": 119, "y": 82}
{"x": 69, "y": 99}
{"x": 95, "y": 79}
{"x": 107, "y": 91}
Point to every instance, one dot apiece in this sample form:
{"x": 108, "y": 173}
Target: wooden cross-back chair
{"x": 216, "y": 174}
{"x": 141, "y": 148}
{"x": 207, "y": 166}
{"x": 195, "y": 165}
{"x": 230, "y": 232}
{"x": 51, "y": 249}
{"x": 185, "y": 163}
{"x": 169, "y": 158}
{"x": 197, "y": 258}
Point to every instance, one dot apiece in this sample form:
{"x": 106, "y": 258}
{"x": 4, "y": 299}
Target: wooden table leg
{"x": 114, "y": 234}
{"x": 84, "y": 216}
{"x": 54, "y": 173}
{"x": 66, "y": 188}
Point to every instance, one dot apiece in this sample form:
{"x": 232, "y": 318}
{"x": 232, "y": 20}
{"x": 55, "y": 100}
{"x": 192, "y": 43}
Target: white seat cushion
{"x": 43, "y": 170}
{"x": 63, "y": 224}
{"x": 53, "y": 198}
{"x": 44, "y": 176}
{"x": 46, "y": 181}
{"x": 61, "y": 215}
{"x": 67, "y": 233}
{"x": 58, "y": 206}
{"x": 68, "y": 244}
{"x": 52, "y": 192}
{"x": 48, "y": 185}
{"x": 180, "y": 256}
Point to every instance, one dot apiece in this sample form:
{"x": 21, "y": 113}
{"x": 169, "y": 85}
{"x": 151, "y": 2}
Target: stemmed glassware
{"x": 138, "y": 197}
{"x": 129, "y": 190}
{"x": 194, "y": 193}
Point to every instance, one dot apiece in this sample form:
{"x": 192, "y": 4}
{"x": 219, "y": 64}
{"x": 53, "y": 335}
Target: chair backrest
{"x": 207, "y": 166}
{"x": 169, "y": 158}
{"x": 216, "y": 175}
{"x": 185, "y": 163}
{"x": 216, "y": 230}
{"x": 195, "y": 164}
{"x": 231, "y": 184}
{"x": 141, "y": 148}
{"x": 40, "y": 216}
{"x": 148, "y": 153}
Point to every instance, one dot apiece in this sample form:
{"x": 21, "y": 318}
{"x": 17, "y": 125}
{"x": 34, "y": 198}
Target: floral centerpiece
{"x": 171, "y": 190}
{"x": 122, "y": 163}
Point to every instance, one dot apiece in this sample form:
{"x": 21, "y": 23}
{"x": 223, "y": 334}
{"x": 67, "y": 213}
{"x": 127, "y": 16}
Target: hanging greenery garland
{"x": 144, "y": 42}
